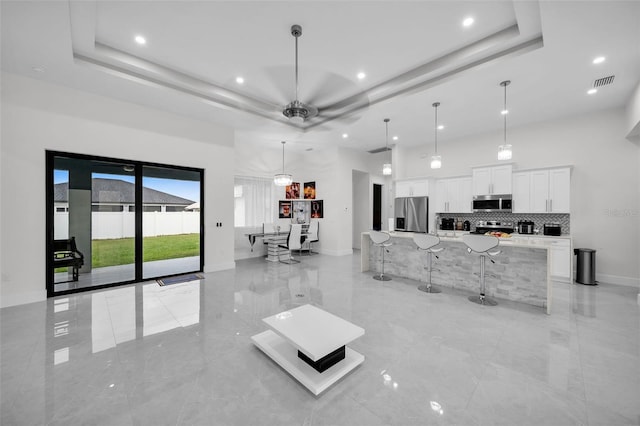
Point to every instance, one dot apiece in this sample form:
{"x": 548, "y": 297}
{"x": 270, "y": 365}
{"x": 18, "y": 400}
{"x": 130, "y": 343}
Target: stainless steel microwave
{"x": 492, "y": 203}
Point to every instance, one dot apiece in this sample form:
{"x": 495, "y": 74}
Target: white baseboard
{"x": 619, "y": 280}
{"x": 219, "y": 266}
{"x": 7, "y": 300}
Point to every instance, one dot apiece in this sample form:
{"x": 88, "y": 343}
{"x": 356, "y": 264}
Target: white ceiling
{"x": 216, "y": 41}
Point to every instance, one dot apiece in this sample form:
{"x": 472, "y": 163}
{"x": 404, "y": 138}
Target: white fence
{"x": 112, "y": 225}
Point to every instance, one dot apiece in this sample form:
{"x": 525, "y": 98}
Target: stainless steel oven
{"x": 492, "y": 203}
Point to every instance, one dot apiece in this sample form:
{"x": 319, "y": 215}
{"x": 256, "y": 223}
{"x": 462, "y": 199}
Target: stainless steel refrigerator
{"x": 411, "y": 214}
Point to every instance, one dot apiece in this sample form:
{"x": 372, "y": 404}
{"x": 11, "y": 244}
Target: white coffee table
{"x": 310, "y": 344}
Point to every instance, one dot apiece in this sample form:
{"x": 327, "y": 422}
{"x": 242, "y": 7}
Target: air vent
{"x": 603, "y": 81}
{"x": 377, "y": 150}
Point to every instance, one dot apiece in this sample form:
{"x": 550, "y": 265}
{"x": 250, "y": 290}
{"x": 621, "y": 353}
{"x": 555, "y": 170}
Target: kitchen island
{"x": 521, "y": 272}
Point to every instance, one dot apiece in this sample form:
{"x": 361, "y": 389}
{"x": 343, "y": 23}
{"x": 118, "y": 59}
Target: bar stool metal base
{"x": 483, "y": 300}
{"x": 429, "y": 288}
{"x": 382, "y": 277}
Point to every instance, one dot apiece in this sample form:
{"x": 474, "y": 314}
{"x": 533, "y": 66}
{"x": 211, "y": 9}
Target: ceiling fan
{"x": 335, "y": 98}
{"x": 297, "y": 111}
{"x": 309, "y": 114}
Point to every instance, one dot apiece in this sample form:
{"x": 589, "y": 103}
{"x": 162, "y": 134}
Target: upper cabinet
{"x": 492, "y": 180}
{"x": 453, "y": 195}
{"x": 542, "y": 191}
{"x": 412, "y": 188}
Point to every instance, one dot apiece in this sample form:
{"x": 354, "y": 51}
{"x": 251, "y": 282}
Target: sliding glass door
{"x": 170, "y": 221}
{"x": 113, "y": 221}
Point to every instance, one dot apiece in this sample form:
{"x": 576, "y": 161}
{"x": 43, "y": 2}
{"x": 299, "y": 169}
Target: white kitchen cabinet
{"x": 560, "y": 190}
{"x": 453, "y": 195}
{"x": 542, "y": 191}
{"x": 560, "y": 250}
{"x": 521, "y": 201}
{"x": 492, "y": 180}
{"x": 561, "y": 259}
{"x": 412, "y": 188}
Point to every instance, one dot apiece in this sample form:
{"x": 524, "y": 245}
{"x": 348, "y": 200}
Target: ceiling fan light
{"x": 282, "y": 179}
{"x": 386, "y": 169}
{"x": 436, "y": 161}
{"x": 505, "y": 152}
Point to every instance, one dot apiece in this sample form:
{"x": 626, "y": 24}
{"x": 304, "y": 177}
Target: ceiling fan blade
{"x": 281, "y": 78}
{"x": 327, "y": 88}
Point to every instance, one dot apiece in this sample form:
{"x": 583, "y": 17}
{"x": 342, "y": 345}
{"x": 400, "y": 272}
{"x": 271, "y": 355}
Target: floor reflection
{"x": 182, "y": 354}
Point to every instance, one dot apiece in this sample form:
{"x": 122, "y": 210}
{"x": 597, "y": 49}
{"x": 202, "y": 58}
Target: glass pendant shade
{"x": 386, "y": 169}
{"x": 436, "y": 161}
{"x": 504, "y": 152}
{"x": 282, "y": 179}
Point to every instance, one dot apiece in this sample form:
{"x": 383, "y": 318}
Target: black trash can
{"x": 586, "y": 266}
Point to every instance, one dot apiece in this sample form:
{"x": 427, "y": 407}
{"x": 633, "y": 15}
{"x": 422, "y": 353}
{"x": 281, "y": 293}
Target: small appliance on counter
{"x": 525, "y": 227}
{"x": 466, "y": 226}
{"x": 553, "y": 229}
{"x": 447, "y": 224}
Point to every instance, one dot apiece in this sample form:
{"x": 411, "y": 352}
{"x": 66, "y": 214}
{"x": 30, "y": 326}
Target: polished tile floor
{"x": 182, "y": 355}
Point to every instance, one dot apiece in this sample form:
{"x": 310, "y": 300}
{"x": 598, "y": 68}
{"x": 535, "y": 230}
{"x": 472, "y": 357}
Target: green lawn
{"x": 121, "y": 251}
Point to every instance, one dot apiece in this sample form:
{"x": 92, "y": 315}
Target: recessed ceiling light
{"x": 239, "y": 80}
{"x": 141, "y": 40}
{"x": 395, "y": 138}
{"x": 592, "y": 91}
{"x": 361, "y": 75}
{"x": 599, "y": 60}
{"x": 345, "y": 135}
{"x": 467, "y": 22}
{"x": 504, "y": 112}
{"x": 440, "y": 127}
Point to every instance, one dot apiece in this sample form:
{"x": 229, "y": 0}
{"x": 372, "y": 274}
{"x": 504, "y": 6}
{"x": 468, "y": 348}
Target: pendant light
{"x": 386, "y": 167}
{"x": 504, "y": 150}
{"x": 282, "y": 179}
{"x": 436, "y": 160}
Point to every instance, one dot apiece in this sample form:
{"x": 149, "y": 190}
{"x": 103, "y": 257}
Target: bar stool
{"x": 427, "y": 242}
{"x": 381, "y": 239}
{"x": 481, "y": 244}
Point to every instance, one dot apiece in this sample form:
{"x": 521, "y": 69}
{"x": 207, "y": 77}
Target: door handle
{"x": 546, "y": 206}
{"x": 550, "y": 206}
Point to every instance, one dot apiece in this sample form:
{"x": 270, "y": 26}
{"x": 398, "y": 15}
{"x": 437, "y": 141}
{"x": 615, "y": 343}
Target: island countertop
{"x": 521, "y": 271}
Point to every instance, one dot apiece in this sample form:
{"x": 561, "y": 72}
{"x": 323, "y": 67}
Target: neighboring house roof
{"x": 118, "y": 191}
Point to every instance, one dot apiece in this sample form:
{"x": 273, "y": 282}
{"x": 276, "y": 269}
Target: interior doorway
{"x": 377, "y": 207}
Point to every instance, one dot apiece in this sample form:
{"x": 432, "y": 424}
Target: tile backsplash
{"x": 539, "y": 219}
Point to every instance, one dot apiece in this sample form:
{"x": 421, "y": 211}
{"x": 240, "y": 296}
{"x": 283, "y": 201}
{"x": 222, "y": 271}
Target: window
{"x": 106, "y": 208}
{"x": 175, "y": 208}
{"x": 254, "y": 201}
{"x": 151, "y": 208}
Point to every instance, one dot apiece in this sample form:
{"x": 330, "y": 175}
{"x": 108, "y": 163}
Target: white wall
{"x": 605, "y": 196}
{"x": 633, "y": 116}
{"x": 330, "y": 168}
{"x": 38, "y": 116}
{"x": 361, "y": 209}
